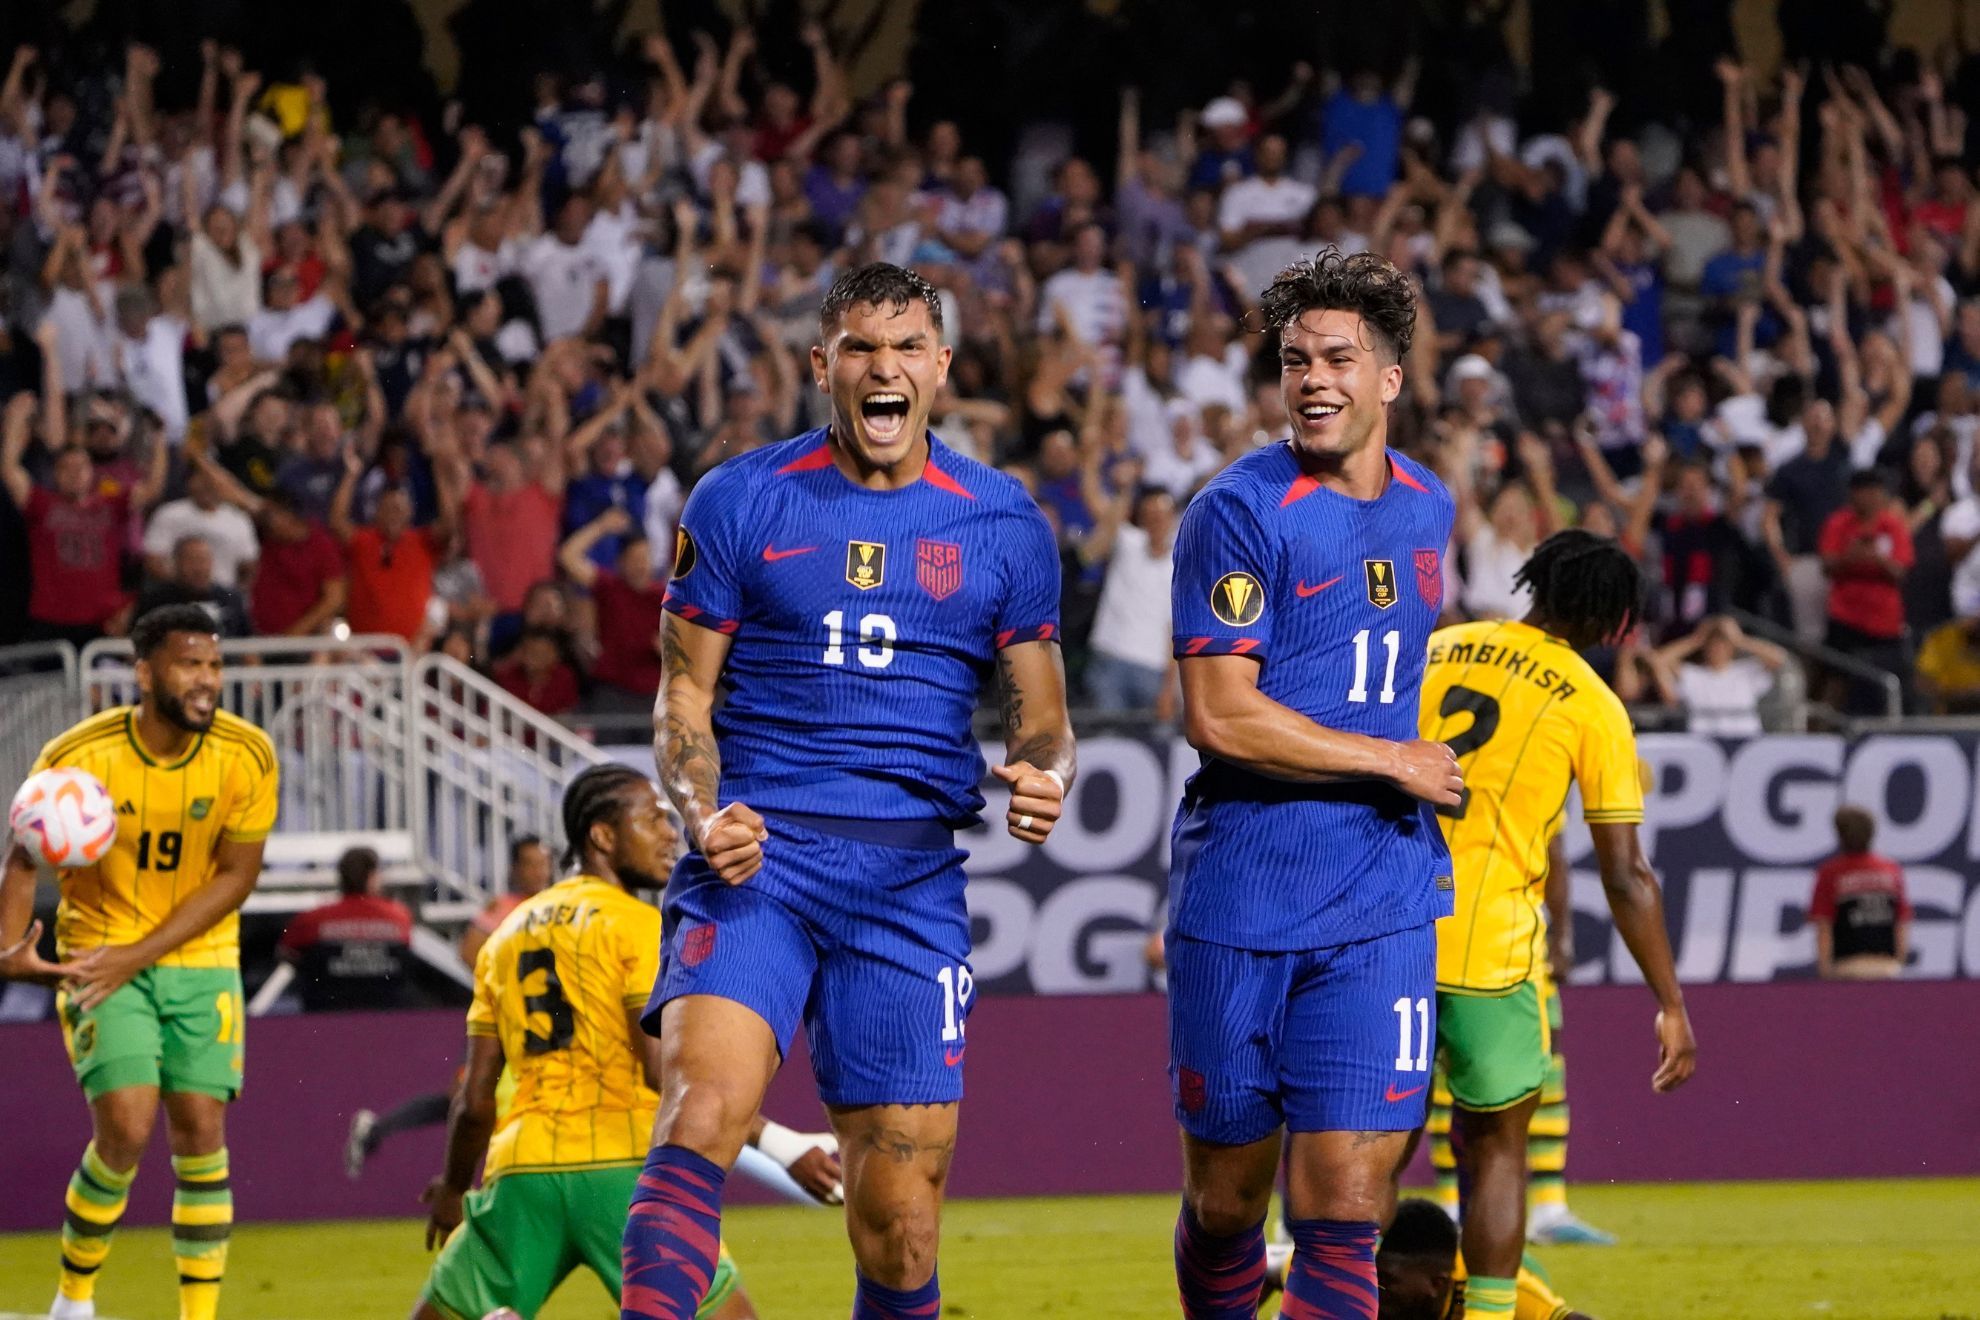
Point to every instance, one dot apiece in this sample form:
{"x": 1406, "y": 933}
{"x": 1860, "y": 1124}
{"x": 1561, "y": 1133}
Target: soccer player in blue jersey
{"x": 1307, "y": 868}
{"x": 849, "y": 592}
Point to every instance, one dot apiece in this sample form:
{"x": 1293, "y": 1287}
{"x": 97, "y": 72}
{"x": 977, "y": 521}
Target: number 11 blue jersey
{"x": 864, "y": 625}
{"x": 1336, "y": 599}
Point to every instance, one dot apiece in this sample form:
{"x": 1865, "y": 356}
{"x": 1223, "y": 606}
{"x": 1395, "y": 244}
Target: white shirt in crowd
{"x": 1928, "y": 341}
{"x": 1095, "y": 304}
{"x": 271, "y": 332}
{"x": 88, "y": 359}
{"x": 153, "y": 369}
{"x": 1176, "y": 468}
{"x": 476, "y": 268}
{"x": 1283, "y": 200}
{"x": 1490, "y": 564}
{"x": 1132, "y": 621}
{"x": 564, "y": 278}
{"x": 1147, "y": 413}
{"x": 1961, "y": 522}
{"x": 615, "y": 237}
{"x": 984, "y": 211}
{"x": 1725, "y": 702}
{"x": 662, "y": 514}
{"x": 225, "y": 528}
{"x": 224, "y": 291}
{"x": 1207, "y": 380}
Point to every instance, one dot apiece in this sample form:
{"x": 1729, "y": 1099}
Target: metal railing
{"x": 336, "y": 715}
{"x": 37, "y": 701}
{"x": 486, "y": 769}
{"x": 1828, "y": 657}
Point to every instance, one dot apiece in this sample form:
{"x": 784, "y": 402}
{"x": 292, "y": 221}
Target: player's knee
{"x": 709, "y": 1118}
{"x": 1228, "y": 1211}
{"x": 896, "y": 1244}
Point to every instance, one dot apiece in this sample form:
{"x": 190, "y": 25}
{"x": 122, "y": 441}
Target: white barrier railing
{"x": 487, "y": 769}
{"x": 37, "y": 701}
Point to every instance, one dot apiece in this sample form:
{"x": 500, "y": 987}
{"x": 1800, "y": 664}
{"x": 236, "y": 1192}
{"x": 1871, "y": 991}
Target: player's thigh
{"x": 1227, "y": 1018}
{"x": 1359, "y": 1036}
{"x": 734, "y": 942}
{"x": 1344, "y": 1175}
{"x": 889, "y": 1025}
{"x": 717, "y": 1057}
{"x": 115, "y": 1045}
{"x": 1494, "y": 1046}
{"x": 510, "y": 1250}
{"x": 202, "y": 1017}
{"x": 1230, "y": 1187}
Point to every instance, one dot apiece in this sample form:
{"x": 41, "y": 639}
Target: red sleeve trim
{"x": 1397, "y": 469}
{"x": 820, "y": 457}
{"x": 941, "y": 480}
{"x": 1218, "y": 645}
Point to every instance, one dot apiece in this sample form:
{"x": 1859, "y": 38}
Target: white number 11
{"x": 1392, "y": 641}
{"x": 1420, "y": 1061}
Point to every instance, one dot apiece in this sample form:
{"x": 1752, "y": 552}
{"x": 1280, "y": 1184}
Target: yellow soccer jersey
{"x": 553, "y": 984}
{"x": 1526, "y": 717}
{"x": 171, "y": 816}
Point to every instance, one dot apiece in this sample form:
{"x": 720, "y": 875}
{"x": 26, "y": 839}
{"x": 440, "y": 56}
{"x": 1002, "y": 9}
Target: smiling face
{"x": 882, "y": 366}
{"x": 1337, "y": 379}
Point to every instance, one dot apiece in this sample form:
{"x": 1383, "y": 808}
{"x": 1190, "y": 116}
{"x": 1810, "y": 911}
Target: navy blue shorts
{"x": 1326, "y": 1040}
{"x": 864, "y": 942}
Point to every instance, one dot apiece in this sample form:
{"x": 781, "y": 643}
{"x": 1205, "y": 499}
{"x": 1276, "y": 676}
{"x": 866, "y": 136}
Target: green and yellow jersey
{"x": 557, "y": 984}
{"x": 172, "y": 816}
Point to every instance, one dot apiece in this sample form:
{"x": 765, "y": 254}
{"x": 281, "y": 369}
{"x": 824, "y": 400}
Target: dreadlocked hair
{"x": 593, "y": 796}
{"x": 1364, "y": 284}
{"x": 1585, "y": 587}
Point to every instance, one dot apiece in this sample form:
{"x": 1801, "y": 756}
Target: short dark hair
{"x": 593, "y": 796}
{"x": 878, "y": 284}
{"x": 1365, "y": 284}
{"x": 522, "y": 841}
{"x": 1422, "y": 1230}
{"x": 151, "y": 631}
{"x": 1585, "y": 587}
{"x": 1868, "y": 479}
{"x": 1855, "y": 828}
{"x": 355, "y": 869}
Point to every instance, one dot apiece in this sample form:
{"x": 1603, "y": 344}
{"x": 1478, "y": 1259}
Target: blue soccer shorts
{"x": 1325, "y": 1040}
{"x": 864, "y": 942}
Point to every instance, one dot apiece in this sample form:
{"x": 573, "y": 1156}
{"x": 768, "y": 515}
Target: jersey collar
{"x": 137, "y": 745}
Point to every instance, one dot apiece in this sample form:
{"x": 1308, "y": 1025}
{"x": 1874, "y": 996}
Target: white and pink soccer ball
{"x": 64, "y": 818}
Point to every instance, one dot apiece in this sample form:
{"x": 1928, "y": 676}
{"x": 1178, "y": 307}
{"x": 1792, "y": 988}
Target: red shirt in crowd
{"x": 290, "y": 579}
{"x": 552, "y": 691}
{"x": 628, "y": 630}
{"x": 1861, "y": 595}
{"x": 512, "y": 539}
{"x": 1862, "y": 896}
{"x": 76, "y": 551}
{"x": 389, "y": 584}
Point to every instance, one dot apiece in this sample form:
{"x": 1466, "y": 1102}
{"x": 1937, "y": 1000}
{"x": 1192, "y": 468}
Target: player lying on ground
{"x": 848, "y": 591}
{"x": 1307, "y": 866}
{"x": 149, "y": 940}
{"x": 558, "y": 991}
{"x": 1528, "y": 719}
{"x": 1423, "y": 1275}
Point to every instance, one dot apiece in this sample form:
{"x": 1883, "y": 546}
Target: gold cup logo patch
{"x": 866, "y": 564}
{"x": 685, "y": 554}
{"x": 1381, "y": 582}
{"x": 1237, "y": 599}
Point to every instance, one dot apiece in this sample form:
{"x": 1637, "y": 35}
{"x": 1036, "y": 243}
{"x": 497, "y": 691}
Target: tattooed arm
{"x": 1038, "y": 737}
{"x": 730, "y": 838}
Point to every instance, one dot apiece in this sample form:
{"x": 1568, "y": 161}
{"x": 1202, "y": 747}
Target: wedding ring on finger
{"x": 1024, "y": 822}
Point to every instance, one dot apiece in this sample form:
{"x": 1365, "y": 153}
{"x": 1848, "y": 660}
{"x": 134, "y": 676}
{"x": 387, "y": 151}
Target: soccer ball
{"x": 64, "y": 817}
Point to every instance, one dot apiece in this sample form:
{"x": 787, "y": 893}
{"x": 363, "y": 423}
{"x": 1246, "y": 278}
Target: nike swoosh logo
{"x": 953, "y": 1057}
{"x": 1394, "y": 1094}
{"x": 771, "y": 554}
{"x": 1306, "y": 591}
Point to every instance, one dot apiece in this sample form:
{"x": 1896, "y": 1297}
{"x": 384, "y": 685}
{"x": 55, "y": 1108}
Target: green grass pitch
{"x": 1898, "y": 1250}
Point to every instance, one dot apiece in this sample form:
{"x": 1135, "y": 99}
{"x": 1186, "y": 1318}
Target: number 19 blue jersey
{"x": 1336, "y": 599}
{"x": 864, "y": 623}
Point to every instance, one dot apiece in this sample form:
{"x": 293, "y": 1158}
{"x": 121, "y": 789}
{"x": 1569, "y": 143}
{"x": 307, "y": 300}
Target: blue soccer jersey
{"x": 1336, "y": 599}
{"x": 864, "y": 622}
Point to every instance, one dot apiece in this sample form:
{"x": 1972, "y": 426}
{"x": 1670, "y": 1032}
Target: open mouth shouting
{"x": 884, "y": 415}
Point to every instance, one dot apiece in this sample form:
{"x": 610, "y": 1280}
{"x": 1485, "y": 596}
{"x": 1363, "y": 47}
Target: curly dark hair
{"x": 1585, "y": 587}
{"x": 878, "y": 284}
{"x": 1364, "y": 284}
{"x": 155, "y": 626}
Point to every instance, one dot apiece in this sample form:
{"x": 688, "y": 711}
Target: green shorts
{"x": 524, "y": 1232}
{"x": 176, "y": 1028}
{"x": 1494, "y": 1046}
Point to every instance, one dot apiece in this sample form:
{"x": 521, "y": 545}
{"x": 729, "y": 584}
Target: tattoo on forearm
{"x": 690, "y": 764}
{"x": 1013, "y": 695}
{"x": 1047, "y": 751}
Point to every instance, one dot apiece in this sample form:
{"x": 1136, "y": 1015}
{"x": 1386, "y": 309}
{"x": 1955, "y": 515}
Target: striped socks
{"x": 1489, "y": 1299}
{"x": 673, "y": 1236}
{"x": 1333, "y": 1270}
{"x": 1219, "y": 1278}
{"x": 202, "y": 1221}
{"x": 873, "y": 1302}
{"x": 95, "y": 1202}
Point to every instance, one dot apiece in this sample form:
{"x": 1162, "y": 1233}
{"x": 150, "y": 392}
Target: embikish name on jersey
{"x": 1502, "y": 657}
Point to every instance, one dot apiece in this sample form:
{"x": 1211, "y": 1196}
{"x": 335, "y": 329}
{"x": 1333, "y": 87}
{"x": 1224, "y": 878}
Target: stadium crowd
{"x": 402, "y": 374}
